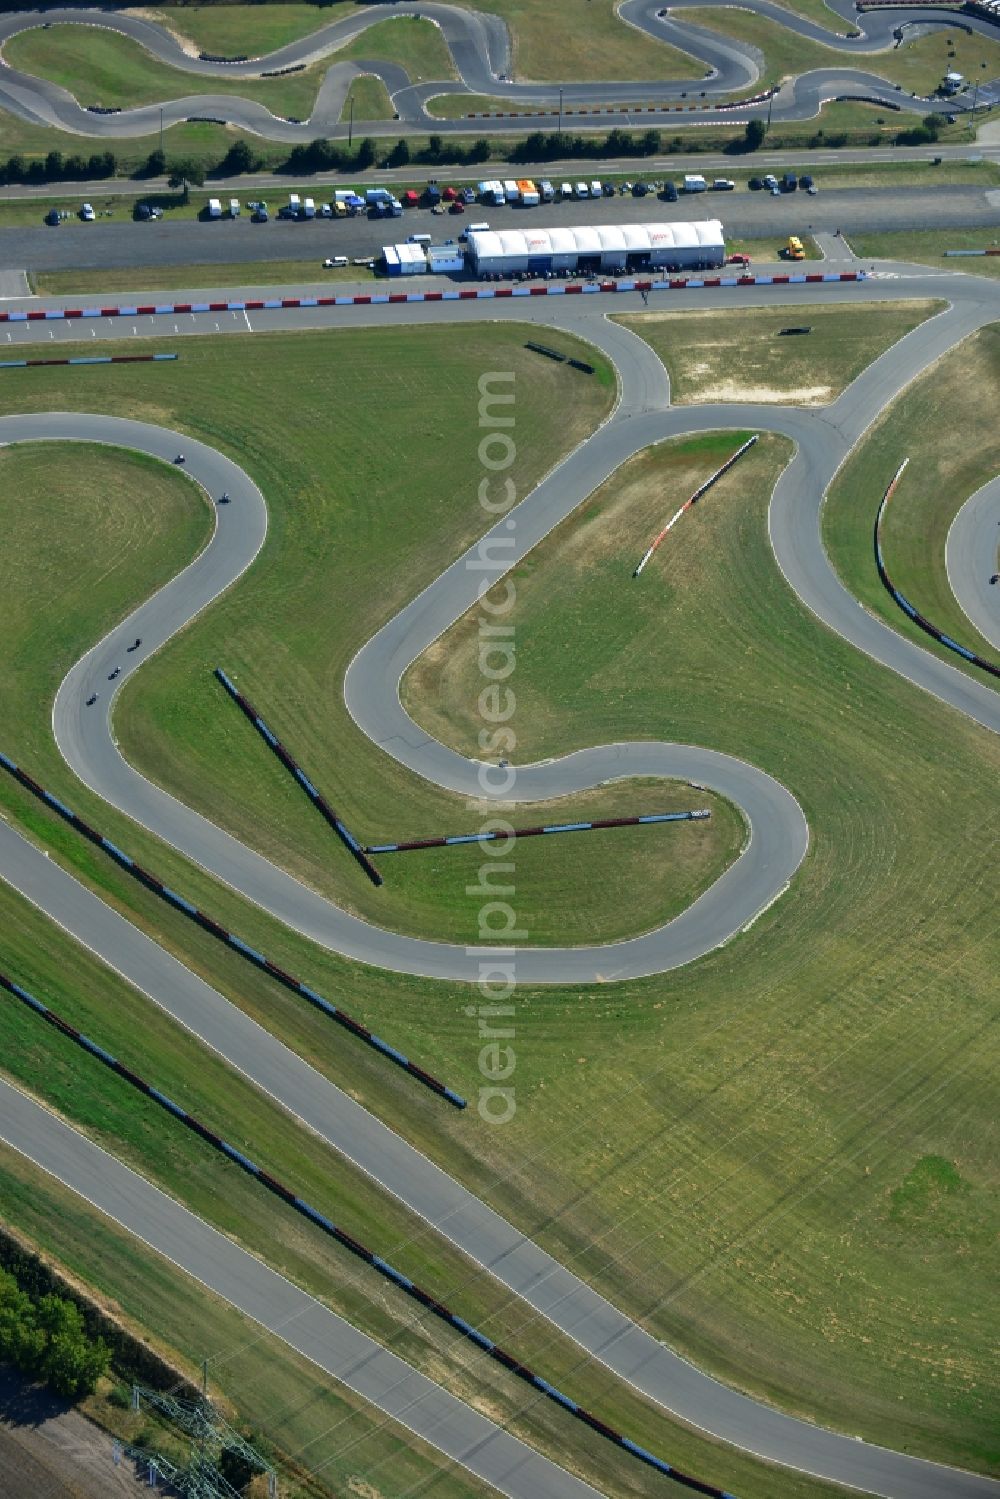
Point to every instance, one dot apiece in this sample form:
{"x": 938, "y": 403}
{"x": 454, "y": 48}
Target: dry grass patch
{"x": 742, "y": 356}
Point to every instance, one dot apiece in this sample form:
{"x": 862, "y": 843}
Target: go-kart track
{"x": 480, "y": 48}
{"x": 777, "y": 844}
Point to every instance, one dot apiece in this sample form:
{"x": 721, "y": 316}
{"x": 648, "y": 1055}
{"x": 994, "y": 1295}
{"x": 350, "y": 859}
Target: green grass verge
{"x": 918, "y": 66}
{"x": 927, "y": 247}
{"x": 415, "y": 44}
{"x": 954, "y": 448}
{"x": 327, "y": 1441}
{"x": 769, "y": 249}
{"x": 371, "y": 100}
{"x": 741, "y": 356}
{"x": 766, "y": 1123}
{"x": 298, "y": 273}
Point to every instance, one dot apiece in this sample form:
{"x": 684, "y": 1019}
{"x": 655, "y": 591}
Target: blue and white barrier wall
{"x": 903, "y": 602}
{"x": 317, "y": 798}
{"x": 234, "y": 943}
{"x": 556, "y": 827}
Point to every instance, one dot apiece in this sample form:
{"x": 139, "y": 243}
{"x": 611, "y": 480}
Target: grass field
{"x": 299, "y": 273}
{"x": 741, "y": 356}
{"x": 371, "y": 100}
{"x": 918, "y": 65}
{"x": 954, "y": 447}
{"x": 415, "y": 44}
{"x": 777, "y": 1094}
{"x": 927, "y": 247}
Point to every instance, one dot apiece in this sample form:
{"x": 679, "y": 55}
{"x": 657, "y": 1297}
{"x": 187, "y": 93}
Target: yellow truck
{"x": 793, "y": 250}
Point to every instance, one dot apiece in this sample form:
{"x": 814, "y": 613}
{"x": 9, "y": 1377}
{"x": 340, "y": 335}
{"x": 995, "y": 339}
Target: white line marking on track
{"x": 249, "y": 324}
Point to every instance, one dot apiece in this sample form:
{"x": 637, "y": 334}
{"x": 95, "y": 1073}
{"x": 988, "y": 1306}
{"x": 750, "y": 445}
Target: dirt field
{"x": 50, "y": 1452}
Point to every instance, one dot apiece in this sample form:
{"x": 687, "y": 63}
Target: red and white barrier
{"x": 702, "y": 489}
{"x": 451, "y": 294}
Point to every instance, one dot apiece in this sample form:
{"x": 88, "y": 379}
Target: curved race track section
{"x": 480, "y": 49}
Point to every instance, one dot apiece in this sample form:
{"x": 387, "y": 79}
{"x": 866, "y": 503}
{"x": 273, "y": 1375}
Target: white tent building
{"x": 603, "y": 247}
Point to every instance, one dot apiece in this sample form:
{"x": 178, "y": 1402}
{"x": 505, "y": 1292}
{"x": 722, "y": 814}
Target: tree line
{"x": 46, "y": 1339}
{"x": 329, "y": 156}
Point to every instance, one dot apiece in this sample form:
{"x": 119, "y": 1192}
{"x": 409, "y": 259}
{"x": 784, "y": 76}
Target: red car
{"x": 450, "y": 193}
{"x": 456, "y": 206}
{"x": 737, "y": 259}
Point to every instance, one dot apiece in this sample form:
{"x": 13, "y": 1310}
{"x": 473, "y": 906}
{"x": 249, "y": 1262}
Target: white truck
{"x": 308, "y": 208}
{"x": 546, "y": 189}
{"x": 695, "y": 184}
{"x": 214, "y": 208}
{"x": 511, "y": 191}
{"x": 492, "y": 192}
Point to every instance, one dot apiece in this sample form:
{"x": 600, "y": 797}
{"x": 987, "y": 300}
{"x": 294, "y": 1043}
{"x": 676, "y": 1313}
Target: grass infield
{"x": 928, "y": 246}
{"x": 741, "y": 356}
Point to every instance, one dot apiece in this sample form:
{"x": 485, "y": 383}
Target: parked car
{"x": 334, "y": 260}
{"x": 53, "y": 216}
{"x": 438, "y": 208}
{"x": 669, "y": 192}
{"x": 259, "y": 216}
{"x": 723, "y": 185}
{"x": 256, "y": 204}
{"x": 639, "y": 190}
{"x": 737, "y": 259}
{"x": 468, "y": 195}
{"x": 609, "y": 189}
{"x": 755, "y": 184}
{"x": 566, "y": 190}
{"x": 87, "y": 213}
{"x": 805, "y": 181}
{"x": 812, "y": 189}
{"x": 770, "y": 181}
{"x": 457, "y": 206}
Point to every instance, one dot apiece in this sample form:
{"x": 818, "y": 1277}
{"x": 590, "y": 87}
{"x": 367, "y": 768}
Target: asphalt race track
{"x": 779, "y": 839}
{"x": 480, "y": 48}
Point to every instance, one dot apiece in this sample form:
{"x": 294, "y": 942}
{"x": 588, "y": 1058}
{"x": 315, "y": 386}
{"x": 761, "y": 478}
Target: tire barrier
{"x": 452, "y": 294}
{"x": 702, "y": 489}
{"x": 360, "y": 1251}
{"x": 27, "y": 364}
{"x": 558, "y": 827}
{"x": 904, "y": 603}
{"x": 229, "y": 939}
{"x": 973, "y": 252}
{"x": 549, "y": 353}
{"x": 787, "y": 332}
{"x": 318, "y": 800}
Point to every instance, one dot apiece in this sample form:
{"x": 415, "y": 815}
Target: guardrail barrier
{"x": 558, "y": 827}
